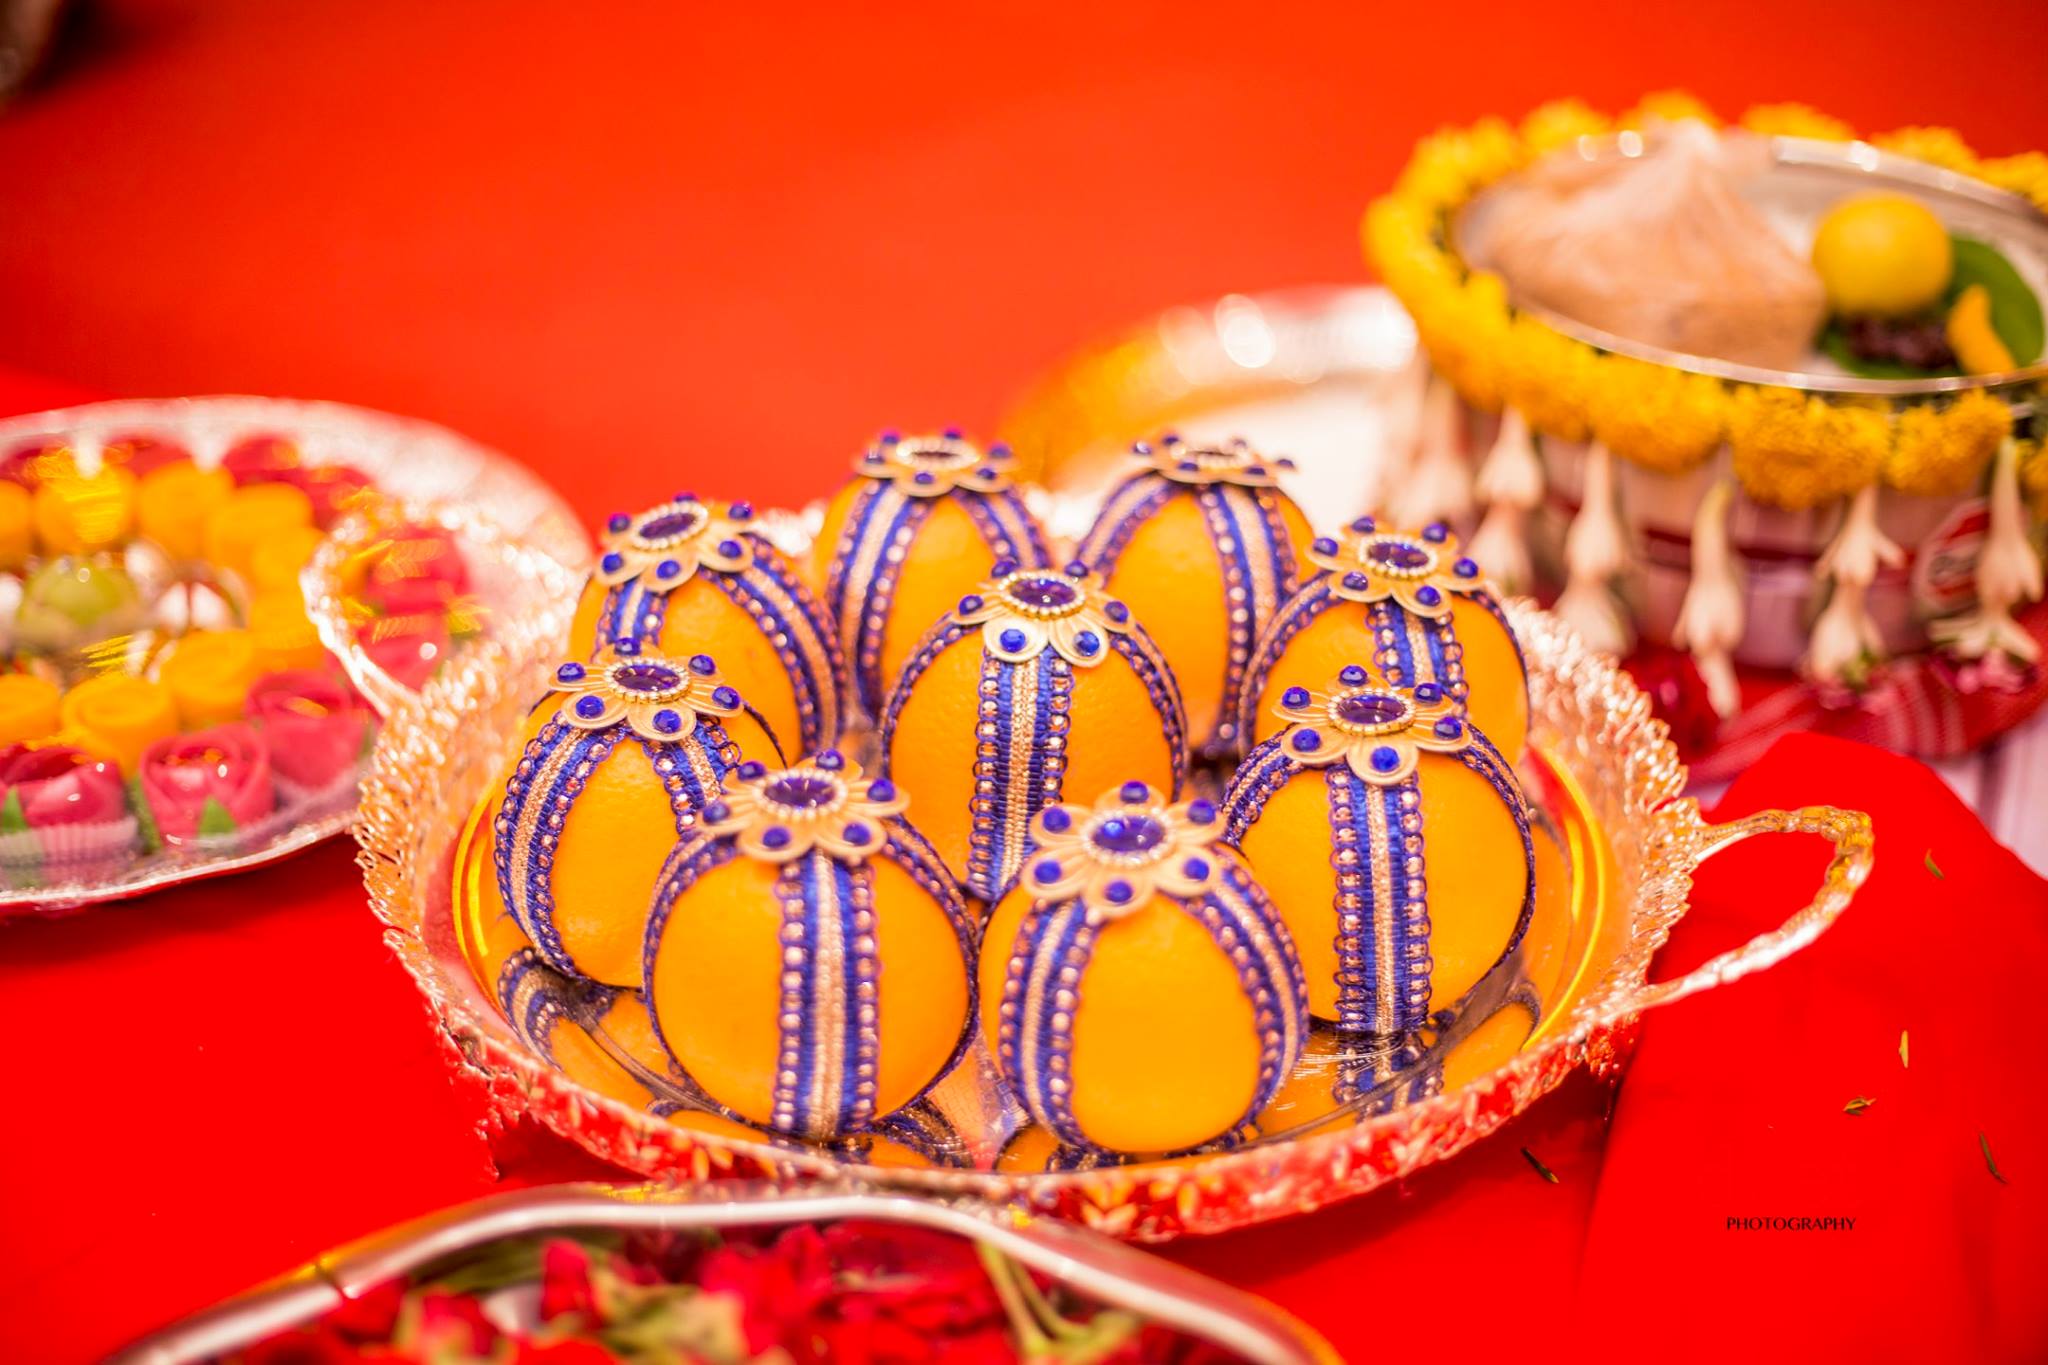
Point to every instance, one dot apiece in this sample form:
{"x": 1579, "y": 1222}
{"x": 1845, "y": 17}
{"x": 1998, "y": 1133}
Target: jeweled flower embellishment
{"x": 1378, "y": 731}
{"x": 927, "y": 466}
{"x": 659, "y": 699}
{"x": 822, "y": 803}
{"x": 1117, "y": 854}
{"x": 1421, "y": 572}
{"x": 1234, "y": 461}
{"x": 1022, "y": 612}
{"x": 663, "y": 547}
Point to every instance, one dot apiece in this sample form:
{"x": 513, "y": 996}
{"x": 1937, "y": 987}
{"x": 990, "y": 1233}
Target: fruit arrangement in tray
{"x": 1132, "y": 833}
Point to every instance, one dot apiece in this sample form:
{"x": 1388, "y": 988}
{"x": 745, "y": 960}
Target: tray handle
{"x": 1848, "y": 830}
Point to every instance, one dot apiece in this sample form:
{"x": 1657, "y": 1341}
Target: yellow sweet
{"x": 209, "y": 673}
{"x": 1203, "y": 548}
{"x": 1979, "y": 349}
{"x": 17, "y": 526}
{"x": 1324, "y": 813}
{"x": 278, "y": 561}
{"x": 249, "y": 517}
{"x": 85, "y": 512}
{"x": 808, "y": 955}
{"x": 172, "y": 505}
{"x": 1882, "y": 253}
{"x": 284, "y": 634}
{"x": 28, "y": 706}
{"x": 578, "y": 854}
{"x": 116, "y": 716}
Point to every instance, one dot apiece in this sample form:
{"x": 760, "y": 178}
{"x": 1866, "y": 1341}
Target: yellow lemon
{"x": 924, "y": 519}
{"x": 1395, "y": 842}
{"x": 1138, "y": 989}
{"x": 1035, "y": 686}
{"x": 690, "y": 576}
{"x": 1204, "y": 549}
{"x": 619, "y": 756}
{"x": 1882, "y": 253}
{"x": 807, "y": 955}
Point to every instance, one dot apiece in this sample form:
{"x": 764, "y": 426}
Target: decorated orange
{"x": 1203, "y": 546}
{"x": 619, "y": 757}
{"x": 690, "y": 575}
{"x": 1394, "y": 839}
{"x": 1137, "y": 987}
{"x": 1414, "y": 609}
{"x": 1035, "y": 686}
{"x": 922, "y": 521}
{"x": 807, "y": 957}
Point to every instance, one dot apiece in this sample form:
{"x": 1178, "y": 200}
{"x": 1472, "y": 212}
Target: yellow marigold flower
{"x": 1939, "y": 452}
{"x": 1796, "y": 120}
{"x": 2025, "y": 175}
{"x": 1549, "y": 378}
{"x": 1939, "y": 146}
{"x": 1560, "y": 122}
{"x": 1795, "y": 451}
{"x": 2033, "y": 463}
{"x": 1465, "y": 331}
{"x": 1451, "y": 164}
{"x": 1670, "y": 106}
{"x": 1656, "y": 416}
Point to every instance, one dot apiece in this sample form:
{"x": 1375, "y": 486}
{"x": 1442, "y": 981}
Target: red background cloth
{"x": 619, "y": 248}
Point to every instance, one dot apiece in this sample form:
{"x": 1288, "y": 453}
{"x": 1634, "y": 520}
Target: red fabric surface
{"x": 619, "y": 248}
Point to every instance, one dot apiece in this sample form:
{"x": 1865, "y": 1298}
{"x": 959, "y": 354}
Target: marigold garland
{"x": 1789, "y": 448}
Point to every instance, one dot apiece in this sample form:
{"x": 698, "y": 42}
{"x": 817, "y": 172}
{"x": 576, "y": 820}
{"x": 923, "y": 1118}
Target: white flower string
{"x": 1710, "y": 619}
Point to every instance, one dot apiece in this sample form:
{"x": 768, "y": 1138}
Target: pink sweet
{"x": 60, "y": 785}
{"x": 228, "y": 764}
{"x": 314, "y": 724}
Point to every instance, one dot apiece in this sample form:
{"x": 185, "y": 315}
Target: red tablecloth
{"x": 727, "y": 246}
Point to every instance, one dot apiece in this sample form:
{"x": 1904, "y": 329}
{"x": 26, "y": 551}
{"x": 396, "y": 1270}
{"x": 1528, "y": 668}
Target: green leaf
{"x": 12, "y": 821}
{"x": 214, "y": 819}
{"x": 1540, "y": 1168}
{"x": 1858, "y": 1105}
{"x": 145, "y": 818}
{"x": 1835, "y": 344}
{"x": 1984, "y": 1144}
{"x": 2015, "y": 312}
{"x": 1939, "y": 875}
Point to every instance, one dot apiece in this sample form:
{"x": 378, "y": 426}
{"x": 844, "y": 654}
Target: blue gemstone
{"x": 618, "y": 521}
{"x": 676, "y": 523}
{"x": 725, "y": 696}
{"x": 1372, "y": 708}
{"x": 1323, "y": 545}
{"x": 1077, "y": 569}
{"x": 831, "y": 760}
{"x": 571, "y": 672}
{"x": 612, "y": 562}
{"x": 1195, "y": 869}
{"x": 775, "y": 836}
{"x": 668, "y": 568}
{"x": 716, "y": 812}
{"x": 1466, "y": 568}
{"x": 1187, "y": 466}
{"x": 873, "y": 457}
{"x": 1449, "y": 728}
{"x": 1428, "y": 692}
{"x": 1001, "y": 450}
{"x": 881, "y": 789}
{"x": 1171, "y": 438}
{"x": 1356, "y": 582}
{"x": 801, "y": 791}
{"x": 741, "y": 511}
{"x": 1201, "y": 811}
{"x": 1398, "y": 554}
{"x": 1057, "y": 820}
{"x": 687, "y": 495}
{"x": 857, "y": 835}
{"x": 646, "y": 676}
{"x": 1117, "y": 893}
{"x": 1306, "y": 740}
{"x": 1428, "y": 596}
{"x": 1088, "y": 642}
{"x": 1436, "y": 533}
{"x": 1364, "y": 526}
{"x": 1385, "y": 759}
{"x": 1046, "y": 872}
{"x": 704, "y": 664}
{"x": 667, "y": 721}
{"x": 1128, "y": 833}
{"x": 969, "y": 604}
{"x": 1257, "y": 471}
{"x": 984, "y": 472}
{"x": 752, "y": 770}
{"x": 952, "y": 433}
{"x": 924, "y": 477}
{"x": 1285, "y": 462}
{"x": 1134, "y": 792}
{"x": 1116, "y": 611}
{"x": 1004, "y": 567}
{"x": 730, "y": 549}
{"x": 1294, "y": 696}
{"x": 1046, "y": 594}
{"x": 590, "y": 708}
{"x": 1012, "y": 640}
{"x": 1351, "y": 674}
{"x": 890, "y": 438}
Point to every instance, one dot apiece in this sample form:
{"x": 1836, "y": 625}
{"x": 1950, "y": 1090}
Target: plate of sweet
{"x": 1202, "y": 867}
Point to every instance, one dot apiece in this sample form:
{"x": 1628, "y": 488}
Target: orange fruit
{"x": 1395, "y": 841}
{"x": 1137, "y": 987}
{"x": 1204, "y": 548}
{"x": 690, "y": 577}
{"x": 807, "y": 956}
{"x": 1412, "y": 608}
{"x": 617, "y": 759}
{"x": 1036, "y": 686}
{"x": 923, "y": 521}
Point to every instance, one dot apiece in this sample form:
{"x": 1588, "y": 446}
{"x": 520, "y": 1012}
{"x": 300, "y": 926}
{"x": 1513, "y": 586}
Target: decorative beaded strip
{"x": 543, "y": 788}
{"x": 530, "y": 997}
{"x": 1042, "y": 986}
{"x": 912, "y": 852}
{"x": 829, "y": 1043}
{"x": 1386, "y": 1078}
{"x": 1020, "y": 762}
{"x": 935, "y": 643}
{"x": 1007, "y": 525}
{"x": 1150, "y": 665}
{"x": 1483, "y": 758}
{"x": 1127, "y": 507}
